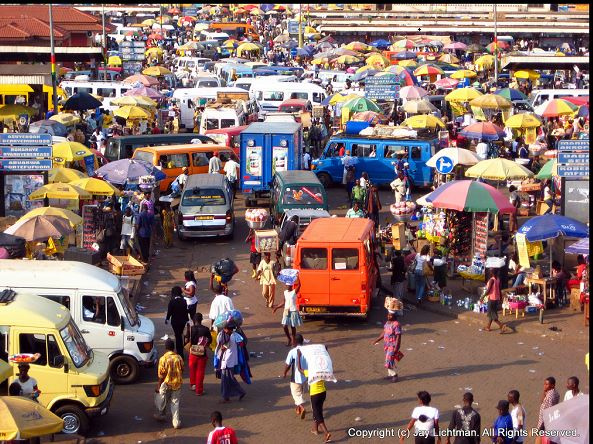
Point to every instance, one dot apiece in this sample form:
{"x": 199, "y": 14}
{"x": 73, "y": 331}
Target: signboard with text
{"x": 8, "y": 165}
{"x": 574, "y": 171}
{"x": 20, "y": 152}
{"x": 25, "y": 139}
{"x": 573, "y": 145}
{"x": 382, "y": 88}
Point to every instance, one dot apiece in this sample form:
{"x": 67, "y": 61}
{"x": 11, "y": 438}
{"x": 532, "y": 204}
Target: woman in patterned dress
{"x": 391, "y": 337}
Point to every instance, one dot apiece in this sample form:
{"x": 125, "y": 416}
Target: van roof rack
{"x": 7, "y": 296}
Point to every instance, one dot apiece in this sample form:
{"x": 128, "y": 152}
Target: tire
{"x": 75, "y": 419}
{"x": 124, "y": 369}
{"x": 325, "y": 180}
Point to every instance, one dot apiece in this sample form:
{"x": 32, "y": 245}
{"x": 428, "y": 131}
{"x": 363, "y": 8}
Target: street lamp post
{"x": 495, "y": 46}
{"x": 104, "y": 43}
{"x": 53, "y": 61}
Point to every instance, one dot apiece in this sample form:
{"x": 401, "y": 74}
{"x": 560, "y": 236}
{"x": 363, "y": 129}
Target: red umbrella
{"x": 155, "y": 36}
{"x": 492, "y": 47}
{"x": 249, "y": 7}
{"x": 579, "y": 101}
{"x": 470, "y": 195}
{"x": 483, "y": 130}
{"x": 144, "y": 91}
{"x": 455, "y": 45}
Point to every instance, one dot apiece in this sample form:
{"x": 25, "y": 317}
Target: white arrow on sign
{"x": 444, "y": 164}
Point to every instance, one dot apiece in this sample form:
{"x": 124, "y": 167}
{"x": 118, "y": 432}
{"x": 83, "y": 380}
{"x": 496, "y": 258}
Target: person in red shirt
{"x": 220, "y": 434}
{"x": 156, "y": 129}
{"x": 254, "y": 256}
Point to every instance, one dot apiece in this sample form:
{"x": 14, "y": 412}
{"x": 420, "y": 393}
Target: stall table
{"x": 546, "y": 284}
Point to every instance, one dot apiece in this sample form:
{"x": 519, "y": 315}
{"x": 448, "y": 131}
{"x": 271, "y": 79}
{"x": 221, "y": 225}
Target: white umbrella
{"x": 569, "y": 416}
{"x": 459, "y": 156}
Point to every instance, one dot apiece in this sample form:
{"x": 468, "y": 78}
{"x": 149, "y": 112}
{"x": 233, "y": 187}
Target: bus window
{"x": 212, "y": 124}
{"x": 363, "y": 150}
{"x": 79, "y": 89}
{"x": 106, "y": 92}
{"x": 416, "y": 152}
{"x": 227, "y": 123}
{"x": 299, "y": 95}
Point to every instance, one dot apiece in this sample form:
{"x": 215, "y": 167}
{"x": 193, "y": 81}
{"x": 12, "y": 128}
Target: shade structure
{"x": 156, "y": 71}
{"x": 558, "y": 107}
{"x": 483, "y": 130}
{"x": 527, "y": 74}
{"x": 463, "y": 74}
{"x": 346, "y": 60}
{"x": 422, "y": 121}
{"x": 402, "y": 44}
{"x": 247, "y": 47}
{"x": 419, "y": 107}
{"x": 408, "y": 63}
{"x": 484, "y": 62}
{"x": 491, "y": 101}
{"x": 121, "y": 171}
{"x": 134, "y": 101}
{"x": 282, "y": 38}
{"x": 131, "y": 112}
{"x": 339, "y": 98}
{"x": 381, "y": 43}
{"x": 470, "y": 195}
{"x": 82, "y": 101}
{"x": 446, "y": 83}
{"x": 497, "y": 46}
{"x": 360, "y": 104}
{"x": 144, "y": 91}
{"x": 463, "y": 95}
{"x": 378, "y": 60}
{"x": 70, "y": 151}
{"x": 59, "y": 191}
{"x": 569, "y": 415}
{"x": 142, "y": 78}
{"x": 64, "y": 213}
{"x": 406, "y": 76}
{"x": 405, "y": 55}
{"x": 459, "y": 156}
{"x": 498, "y": 169}
{"x": 357, "y": 46}
{"x": 96, "y": 187}
{"x": 579, "y": 247}
{"x": 361, "y": 75}
{"x": 48, "y": 127}
{"x": 428, "y": 70}
{"x": 549, "y": 170}
{"x": 448, "y": 58}
{"x": 523, "y": 120}
{"x": 66, "y": 119}
{"x": 511, "y": 94}
{"x": 412, "y": 92}
{"x": 22, "y": 418}
{"x": 5, "y": 368}
{"x": 550, "y": 226}
{"x": 15, "y": 111}
{"x": 64, "y": 175}
{"x": 114, "y": 61}
{"x": 455, "y": 45}
{"x": 369, "y": 116}
{"x": 191, "y": 45}
{"x": 40, "y": 228}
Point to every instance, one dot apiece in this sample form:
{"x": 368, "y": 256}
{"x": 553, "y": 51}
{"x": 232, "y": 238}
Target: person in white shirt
{"x": 220, "y": 303}
{"x": 425, "y": 419}
{"x": 306, "y": 161}
{"x": 572, "y": 384}
{"x": 189, "y": 293}
{"x": 231, "y": 167}
{"x": 517, "y": 413}
{"x": 127, "y": 231}
{"x": 214, "y": 165}
{"x": 482, "y": 150}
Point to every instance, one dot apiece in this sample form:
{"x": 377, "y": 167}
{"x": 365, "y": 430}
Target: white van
{"x": 337, "y": 78}
{"x": 107, "y": 90}
{"x": 189, "y": 65}
{"x": 189, "y": 98}
{"x": 539, "y": 96}
{"x": 99, "y": 306}
{"x": 208, "y": 35}
{"x": 270, "y": 94}
{"x": 120, "y": 33}
{"x": 220, "y": 116}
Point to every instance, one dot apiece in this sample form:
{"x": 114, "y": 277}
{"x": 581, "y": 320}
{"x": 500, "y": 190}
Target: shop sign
{"x": 25, "y": 165}
{"x": 575, "y": 170}
{"x": 25, "y": 139}
{"x": 18, "y": 152}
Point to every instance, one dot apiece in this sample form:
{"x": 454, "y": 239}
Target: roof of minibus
{"x": 181, "y": 147}
{"x": 336, "y": 229}
{"x": 234, "y": 130}
{"x": 34, "y": 311}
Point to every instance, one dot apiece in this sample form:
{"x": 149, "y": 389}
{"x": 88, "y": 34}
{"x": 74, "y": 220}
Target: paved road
{"x": 442, "y": 356}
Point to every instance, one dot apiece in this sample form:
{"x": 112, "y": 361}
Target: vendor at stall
{"x": 581, "y": 265}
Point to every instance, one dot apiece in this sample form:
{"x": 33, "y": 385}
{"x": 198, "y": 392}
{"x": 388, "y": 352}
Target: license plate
{"x": 315, "y": 309}
{"x": 204, "y": 217}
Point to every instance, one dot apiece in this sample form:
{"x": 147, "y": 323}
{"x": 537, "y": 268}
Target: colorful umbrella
{"x": 446, "y": 83}
{"x": 131, "y": 112}
{"x": 247, "y": 47}
{"x": 527, "y": 74}
{"x": 549, "y": 170}
{"x": 154, "y": 51}
{"x": 405, "y": 55}
{"x": 381, "y": 43}
{"x": 378, "y": 60}
{"x": 470, "y": 195}
{"x": 22, "y": 418}
{"x": 72, "y": 217}
{"x": 59, "y": 191}
{"x": 70, "y": 151}
{"x": 428, "y": 70}
{"x": 145, "y": 92}
{"x": 484, "y": 62}
{"x": 339, "y": 98}
{"x": 369, "y": 116}
{"x": 143, "y": 79}
{"x": 357, "y": 46}
{"x": 419, "y": 107}
{"x": 422, "y": 121}
{"x": 497, "y": 46}
{"x": 523, "y": 120}
{"x": 579, "y": 247}
{"x": 408, "y": 63}
{"x": 550, "y": 226}
{"x": 491, "y": 101}
{"x": 64, "y": 175}
{"x": 156, "y": 71}
{"x": 448, "y": 58}
{"x": 155, "y": 36}
{"x": 96, "y": 187}
{"x": 48, "y": 127}
{"x": 558, "y": 107}
{"x": 463, "y": 74}
{"x": 459, "y": 156}
{"x": 462, "y": 95}
{"x": 360, "y": 104}
{"x": 114, "y": 61}
{"x": 346, "y": 60}
{"x": 402, "y": 44}
{"x": 134, "y": 101}
{"x": 498, "y": 169}
{"x": 66, "y": 119}
{"x": 360, "y": 75}
{"x": 412, "y": 92}
{"x": 455, "y": 45}
{"x": 511, "y": 94}
{"x": 483, "y": 130}
{"x": 120, "y": 171}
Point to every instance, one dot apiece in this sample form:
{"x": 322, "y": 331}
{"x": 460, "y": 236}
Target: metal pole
{"x": 104, "y": 43}
{"x": 495, "y": 46}
{"x": 53, "y": 61}
{"x": 300, "y": 25}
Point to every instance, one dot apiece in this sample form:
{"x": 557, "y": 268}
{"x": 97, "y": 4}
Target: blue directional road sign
{"x": 573, "y": 145}
{"x": 25, "y": 139}
{"x": 293, "y": 52}
{"x": 24, "y": 152}
{"x": 574, "y": 171}
{"x": 25, "y": 165}
{"x": 572, "y": 157}
{"x": 445, "y": 165}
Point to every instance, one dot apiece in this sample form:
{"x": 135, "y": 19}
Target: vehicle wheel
{"x": 325, "y": 179}
{"x": 124, "y": 369}
{"x": 75, "y": 420}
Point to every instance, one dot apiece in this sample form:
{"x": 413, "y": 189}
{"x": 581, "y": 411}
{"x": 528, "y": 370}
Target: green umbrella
{"x": 548, "y": 170}
{"x": 511, "y": 94}
{"x": 361, "y": 104}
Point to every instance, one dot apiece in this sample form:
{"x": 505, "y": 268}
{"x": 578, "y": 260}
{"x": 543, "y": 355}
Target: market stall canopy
{"x": 428, "y": 70}
{"x": 378, "y": 60}
{"x": 22, "y": 418}
{"x": 121, "y": 171}
{"x": 48, "y": 127}
{"x": 463, "y": 94}
{"x": 484, "y": 62}
{"x": 380, "y": 43}
{"x": 64, "y": 175}
{"x": 14, "y": 111}
{"x": 145, "y": 92}
{"x": 483, "y": 130}
{"x": 412, "y": 92}
{"x": 527, "y": 74}
{"x": 446, "y": 83}
{"x": 134, "y": 101}
{"x": 448, "y": 58}
{"x": 59, "y": 191}
{"x": 470, "y": 195}
{"x": 511, "y": 94}
{"x": 70, "y": 151}
{"x": 579, "y": 247}
{"x": 408, "y": 63}
{"x": 463, "y": 74}
{"x": 346, "y": 60}
{"x": 491, "y": 101}
{"x": 156, "y": 71}
{"x": 523, "y": 120}
{"x": 65, "y": 119}
{"x": 357, "y": 46}
{"x": 498, "y": 169}
{"x": 143, "y": 79}
{"x": 549, "y": 170}
{"x": 550, "y": 226}
{"x": 247, "y": 47}
{"x": 402, "y": 44}
{"x": 558, "y": 107}
{"x": 459, "y": 156}
{"x": 131, "y": 113}
{"x": 455, "y": 45}
{"x": 40, "y": 228}
{"x": 82, "y": 101}
{"x": 96, "y": 187}
{"x": 422, "y": 121}
{"x": 369, "y": 116}
{"x": 419, "y": 107}
{"x": 64, "y": 213}
{"x": 360, "y": 104}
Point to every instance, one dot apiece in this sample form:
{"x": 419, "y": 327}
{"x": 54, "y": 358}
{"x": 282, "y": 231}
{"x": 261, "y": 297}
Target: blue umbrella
{"x": 583, "y": 111}
{"x": 266, "y": 7}
{"x": 549, "y": 226}
{"x": 304, "y": 52}
{"x": 121, "y": 171}
{"x": 381, "y": 43}
{"x": 579, "y": 247}
{"x": 405, "y": 55}
{"x": 48, "y": 127}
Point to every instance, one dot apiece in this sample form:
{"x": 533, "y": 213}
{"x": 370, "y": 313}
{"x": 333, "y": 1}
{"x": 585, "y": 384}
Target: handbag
{"x": 100, "y": 236}
{"x": 199, "y": 349}
{"x": 426, "y": 270}
{"x": 412, "y": 267}
{"x": 398, "y": 355}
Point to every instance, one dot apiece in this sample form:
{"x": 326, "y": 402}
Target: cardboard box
{"x": 125, "y": 265}
{"x": 266, "y": 241}
{"x": 398, "y": 236}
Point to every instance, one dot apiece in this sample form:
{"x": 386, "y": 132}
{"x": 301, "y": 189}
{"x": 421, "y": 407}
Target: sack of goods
{"x": 319, "y": 363}
{"x": 393, "y": 304}
{"x": 256, "y": 217}
{"x": 231, "y": 317}
{"x": 288, "y": 276}
{"x": 224, "y": 268}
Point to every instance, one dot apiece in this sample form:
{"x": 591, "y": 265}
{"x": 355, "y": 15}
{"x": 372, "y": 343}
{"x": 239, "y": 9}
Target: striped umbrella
{"x": 408, "y": 63}
{"x": 428, "y": 70}
{"x": 446, "y": 83}
{"x": 491, "y": 101}
{"x": 497, "y": 46}
{"x": 511, "y": 94}
{"x": 412, "y": 92}
{"x": 483, "y": 130}
{"x": 402, "y": 44}
{"x": 498, "y": 169}
{"x": 559, "y": 107}
{"x": 549, "y": 170}
{"x": 523, "y": 120}
{"x": 455, "y": 45}
{"x": 470, "y": 195}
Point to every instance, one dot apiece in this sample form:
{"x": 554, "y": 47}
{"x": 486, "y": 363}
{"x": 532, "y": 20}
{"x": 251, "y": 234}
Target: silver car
{"x": 206, "y": 207}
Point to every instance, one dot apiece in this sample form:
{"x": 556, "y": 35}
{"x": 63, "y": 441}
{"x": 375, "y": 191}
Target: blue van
{"x": 376, "y": 155}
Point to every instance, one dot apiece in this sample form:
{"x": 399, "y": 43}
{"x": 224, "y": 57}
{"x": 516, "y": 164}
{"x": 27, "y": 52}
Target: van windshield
{"x": 112, "y": 151}
{"x": 77, "y": 347}
{"x": 203, "y": 196}
{"x": 147, "y": 156}
{"x": 306, "y": 195}
{"x": 129, "y": 309}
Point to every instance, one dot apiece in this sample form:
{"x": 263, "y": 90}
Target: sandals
{"x": 487, "y": 329}
{"x": 328, "y": 437}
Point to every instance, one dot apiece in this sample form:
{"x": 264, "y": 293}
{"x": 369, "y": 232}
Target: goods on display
{"x": 393, "y": 304}
{"x": 92, "y": 224}
{"x": 288, "y": 276}
{"x": 228, "y": 317}
{"x": 405, "y": 209}
{"x": 480, "y": 234}
{"x": 24, "y": 358}
{"x": 460, "y": 240}
{"x": 266, "y": 241}
{"x": 256, "y": 217}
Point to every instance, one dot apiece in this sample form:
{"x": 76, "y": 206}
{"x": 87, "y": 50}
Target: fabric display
{"x": 319, "y": 363}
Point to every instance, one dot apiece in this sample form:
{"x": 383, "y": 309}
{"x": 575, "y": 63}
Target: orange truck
{"x": 337, "y": 267}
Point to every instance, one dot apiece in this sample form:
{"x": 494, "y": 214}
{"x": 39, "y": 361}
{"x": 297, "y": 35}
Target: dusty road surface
{"x": 444, "y": 356}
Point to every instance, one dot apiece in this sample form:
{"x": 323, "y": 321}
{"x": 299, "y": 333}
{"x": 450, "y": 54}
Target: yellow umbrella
{"x": 149, "y": 22}
{"x": 408, "y": 63}
{"x": 491, "y": 101}
{"x": 22, "y": 418}
{"x": 66, "y": 119}
{"x": 69, "y": 151}
{"x": 357, "y": 46}
{"x": 114, "y": 61}
{"x": 378, "y": 60}
{"x": 64, "y": 175}
{"x": 15, "y": 111}
{"x": 346, "y": 60}
{"x": 155, "y": 50}
{"x": 448, "y": 58}
{"x": 247, "y": 47}
{"x": 256, "y": 11}
{"x": 527, "y": 74}
{"x": 498, "y": 169}
{"x": 428, "y": 70}
{"x": 59, "y": 191}
{"x": 231, "y": 43}
{"x": 462, "y": 95}
{"x": 310, "y": 30}
{"x": 338, "y": 98}
{"x": 156, "y": 71}
{"x": 423, "y": 121}
{"x": 320, "y": 61}
{"x": 72, "y": 217}
{"x": 134, "y": 101}
{"x": 523, "y": 120}
{"x": 96, "y": 187}
{"x": 463, "y": 74}
{"x": 364, "y": 68}
{"x": 131, "y": 112}
{"x": 5, "y": 371}
{"x": 484, "y": 62}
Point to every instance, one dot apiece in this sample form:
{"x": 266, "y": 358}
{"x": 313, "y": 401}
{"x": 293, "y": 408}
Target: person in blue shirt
{"x": 144, "y": 224}
{"x": 503, "y": 425}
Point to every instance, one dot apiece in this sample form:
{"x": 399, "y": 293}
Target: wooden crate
{"x": 125, "y": 265}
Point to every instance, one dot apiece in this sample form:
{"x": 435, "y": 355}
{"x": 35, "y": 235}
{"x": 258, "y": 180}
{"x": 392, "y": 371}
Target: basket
{"x": 433, "y": 298}
{"x": 393, "y": 304}
{"x": 256, "y": 225}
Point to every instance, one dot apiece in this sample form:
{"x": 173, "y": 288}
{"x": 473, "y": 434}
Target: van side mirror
{"x": 58, "y": 361}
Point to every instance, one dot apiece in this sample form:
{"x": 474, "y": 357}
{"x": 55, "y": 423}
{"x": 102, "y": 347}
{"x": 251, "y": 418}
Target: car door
{"x": 100, "y": 321}
{"x": 314, "y": 276}
{"x": 344, "y": 275}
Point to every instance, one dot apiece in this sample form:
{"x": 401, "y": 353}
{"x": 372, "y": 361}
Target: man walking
{"x": 220, "y": 434}
{"x": 517, "y": 415}
{"x": 214, "y": 165}
{"x": 179, "y": 315}
{"x": 220, "y": 304}
{"x": 144, "y": 224}
{"x": 168, "y": 389}
{"x": 296, "y": 378}
{"x": 466, "y": 419}
{"x": 231, "y": 169}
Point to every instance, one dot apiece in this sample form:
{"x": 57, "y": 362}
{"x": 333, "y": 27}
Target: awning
{"x": 15, "y": 89}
